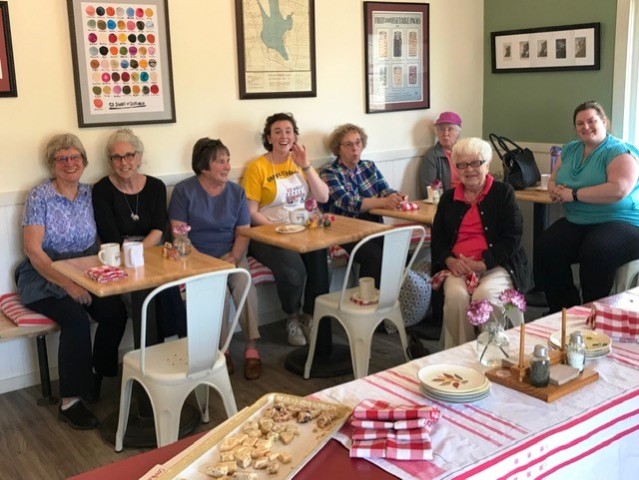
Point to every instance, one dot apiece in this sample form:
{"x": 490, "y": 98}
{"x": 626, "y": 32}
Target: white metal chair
{"x": 626, "y": 277}
{"x": 360, "y": 322}
{"x": 169, "y": 372}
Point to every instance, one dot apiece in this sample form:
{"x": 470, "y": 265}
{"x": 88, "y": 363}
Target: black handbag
{"x": 520, "y": 168}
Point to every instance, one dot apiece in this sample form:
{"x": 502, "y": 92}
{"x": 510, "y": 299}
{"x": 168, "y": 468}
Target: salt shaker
{"x": 539, "y": 367}
{"x": 576, "y": 351}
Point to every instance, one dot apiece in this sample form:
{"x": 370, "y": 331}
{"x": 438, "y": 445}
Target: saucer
{"x": 363, "y": 302}
{"x": 290, "y": 228}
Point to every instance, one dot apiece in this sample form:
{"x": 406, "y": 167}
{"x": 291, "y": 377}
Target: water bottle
{"x": 555, "y": 152}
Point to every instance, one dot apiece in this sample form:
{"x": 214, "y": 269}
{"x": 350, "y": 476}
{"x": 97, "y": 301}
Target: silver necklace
{"x": 134, "y": 215}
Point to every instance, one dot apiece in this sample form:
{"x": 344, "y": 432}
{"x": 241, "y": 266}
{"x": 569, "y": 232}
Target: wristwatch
{"x": 306, "y": 168}
{"x": 574, "y": 194}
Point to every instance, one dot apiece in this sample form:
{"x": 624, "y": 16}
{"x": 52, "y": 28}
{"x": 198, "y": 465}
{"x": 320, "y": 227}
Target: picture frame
{"x": 396, "y": 39}
{"x": 121, "y": 62}
{"x": 8, "y": 87}
{"x": 280, "y": 65}
{"x": 546, "y": 49}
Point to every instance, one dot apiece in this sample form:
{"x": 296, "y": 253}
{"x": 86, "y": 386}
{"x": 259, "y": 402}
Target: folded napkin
{"x": 619, "y": 324}
{"x": 399, "y": 433}
{"x": 472, "y": 280}
{"x": 408, "y": 206}
{"x": 105, "y": 273}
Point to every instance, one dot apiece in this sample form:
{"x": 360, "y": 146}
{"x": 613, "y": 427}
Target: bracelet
{"x": 574, "y": 194}
{"x": 306, "y": 168}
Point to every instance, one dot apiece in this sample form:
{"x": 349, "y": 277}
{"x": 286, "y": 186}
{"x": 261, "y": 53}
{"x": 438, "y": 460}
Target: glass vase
{"x": 492, "y": 343}
{"x": 183, "y": 245}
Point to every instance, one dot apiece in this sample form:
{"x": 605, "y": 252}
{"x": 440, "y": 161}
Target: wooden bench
{"x": 10, "y": 331}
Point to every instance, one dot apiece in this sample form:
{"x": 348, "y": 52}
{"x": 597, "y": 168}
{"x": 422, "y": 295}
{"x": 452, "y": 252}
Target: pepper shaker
{"x": 540, "y": 367}
{"x": 576, "y": 351}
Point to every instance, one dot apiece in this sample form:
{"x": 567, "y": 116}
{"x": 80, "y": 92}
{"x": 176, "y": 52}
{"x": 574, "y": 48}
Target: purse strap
{"x": 503, "y": 142}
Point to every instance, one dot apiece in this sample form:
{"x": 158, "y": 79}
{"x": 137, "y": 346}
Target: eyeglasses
{"x": 446, "y": 128}
{"x": 127, "y": 156}
{"x": 356, "y": 143}
{"x": 74, "y": 158}
{"x": 474, "y": 164}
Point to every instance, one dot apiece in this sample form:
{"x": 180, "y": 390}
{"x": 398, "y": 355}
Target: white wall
{"x": 206, "y": 87}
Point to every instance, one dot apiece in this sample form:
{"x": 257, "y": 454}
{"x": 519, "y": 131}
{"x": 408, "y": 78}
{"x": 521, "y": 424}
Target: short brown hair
{"x": 277, "y": 117}
{"x": 63, "y": 141}
{"x": 205, "y": 151}
{"x": 590, "y": 104}
{"x": 338, "y": 134}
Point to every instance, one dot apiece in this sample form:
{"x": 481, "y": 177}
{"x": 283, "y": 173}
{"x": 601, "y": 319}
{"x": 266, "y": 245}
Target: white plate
{"x": 428, "y": 200}
{"x": 290, "y": 228}
{"x": 452, "y": 379}
{"x": 442, "y": 397}
{"x": 589, "y": 355}
{"x": 596, "y": 342}
{"x": 355, "y": 298}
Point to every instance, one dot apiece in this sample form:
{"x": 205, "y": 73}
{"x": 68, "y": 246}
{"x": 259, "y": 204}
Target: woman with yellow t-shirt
{"x": 277, "y": 182}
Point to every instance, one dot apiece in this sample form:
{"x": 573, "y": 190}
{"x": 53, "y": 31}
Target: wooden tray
{"x": 507, "y": 377}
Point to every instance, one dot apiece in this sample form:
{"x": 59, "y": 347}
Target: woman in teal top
{"x": 596, "y": 179}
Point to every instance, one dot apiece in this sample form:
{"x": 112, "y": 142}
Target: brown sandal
{"x": 252, "y": 368}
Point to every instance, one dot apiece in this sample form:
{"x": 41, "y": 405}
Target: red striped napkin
{"x": 619, "y": 324}
{"x": 471, "y": 279}
{"x": 399, "y": 433}
{"x": 105, "y": 273}
{"x": 408, "y": 206}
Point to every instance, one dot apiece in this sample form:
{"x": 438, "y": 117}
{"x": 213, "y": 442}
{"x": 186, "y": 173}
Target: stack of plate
{"x": 453, "y": 383}
{"x": 597, "y": 344}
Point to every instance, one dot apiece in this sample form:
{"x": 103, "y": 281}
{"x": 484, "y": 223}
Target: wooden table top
{"x": 425, "y": 214}
{"x": 343, "y": 230}
{"x": 156, "y": 271}
{"x": 534, "y": 195}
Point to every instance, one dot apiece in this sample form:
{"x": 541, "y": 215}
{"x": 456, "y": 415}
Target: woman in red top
{"x": 477, "y": 230}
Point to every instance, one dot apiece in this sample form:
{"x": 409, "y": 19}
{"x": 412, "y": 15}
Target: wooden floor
{"x": 35, "y": 445}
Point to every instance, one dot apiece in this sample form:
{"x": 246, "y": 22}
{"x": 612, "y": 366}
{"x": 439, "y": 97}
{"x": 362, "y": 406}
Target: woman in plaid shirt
{"x": 356, "y": 186}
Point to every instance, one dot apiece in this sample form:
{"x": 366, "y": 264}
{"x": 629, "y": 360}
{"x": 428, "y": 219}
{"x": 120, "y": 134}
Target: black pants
{"x": 75, "y": 361}
{"x": 599, "y": 249}
{"x": 369, "y": 257}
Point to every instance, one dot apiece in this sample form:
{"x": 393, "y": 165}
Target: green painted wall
{"x": 537, "y": 107}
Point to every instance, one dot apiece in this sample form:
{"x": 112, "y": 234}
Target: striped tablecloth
{"x": 591, "y": 433}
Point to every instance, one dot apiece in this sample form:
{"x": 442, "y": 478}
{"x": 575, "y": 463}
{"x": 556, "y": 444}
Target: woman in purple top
{"x": 58, "y": 223}
{"x": 217, "y": 212}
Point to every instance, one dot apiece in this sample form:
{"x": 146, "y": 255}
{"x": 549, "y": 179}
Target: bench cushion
{"x": 260, "y": 273}
{"x": 19, "y": 314}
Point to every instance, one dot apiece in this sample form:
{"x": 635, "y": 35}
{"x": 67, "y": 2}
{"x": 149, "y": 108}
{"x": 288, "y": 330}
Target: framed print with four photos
{"x": 396, "y": 39}
{"x": 8, "y": 86}
{"x": 121, "y": 54}
{"x": 276, "y": 48}
{"x": 547, "y": 49}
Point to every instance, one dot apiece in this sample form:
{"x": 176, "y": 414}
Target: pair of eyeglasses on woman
{"x": 474, "y": 164}
{"x": 118, "y": 158}
{"x": 73, "y": 158}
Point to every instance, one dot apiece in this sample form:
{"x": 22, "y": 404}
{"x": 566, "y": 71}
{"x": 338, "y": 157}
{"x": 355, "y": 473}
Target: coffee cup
{"x": 366, "y": 288}
{"x": 109, "y": 254}
{"x": 299, "y": 216}
{"x": 544, "y": 181}
{"x": 133, "y": 254}
{"x": 429, "y": 193}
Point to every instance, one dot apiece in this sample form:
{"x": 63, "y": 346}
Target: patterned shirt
{"x": 69, "y": 226}
{"x": 348, "y": 188}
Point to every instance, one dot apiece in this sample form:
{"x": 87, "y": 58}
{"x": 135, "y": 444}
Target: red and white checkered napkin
{"x": 619, "y": 324}
{"x": 400, "y": 433}
{"x": 408, "y": 206}
{"x": 105, "y": 273}
{"x": 471, "y": 279}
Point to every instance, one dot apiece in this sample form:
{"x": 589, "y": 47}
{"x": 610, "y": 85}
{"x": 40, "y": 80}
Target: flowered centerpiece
{"x": 315, "y": 217}
{"x": 181, "y": 246}
{"x": 492, "y": 343}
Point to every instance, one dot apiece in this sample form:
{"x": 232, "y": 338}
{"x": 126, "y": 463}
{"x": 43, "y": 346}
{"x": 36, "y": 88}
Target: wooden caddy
{"x": 517, "y": 376}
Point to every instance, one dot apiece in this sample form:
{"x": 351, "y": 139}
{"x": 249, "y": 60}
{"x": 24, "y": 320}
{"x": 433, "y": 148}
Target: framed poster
{"x": 121, "y": 55}
{"x": 547, "y": 49}
{"x": 397, "y": 51}
{"x": 8, "y": 86}
{"x": 276, "y": 48}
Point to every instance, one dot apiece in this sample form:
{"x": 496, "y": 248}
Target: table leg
{"x": 330, "y": 360}
{"x": 536, "y": 295}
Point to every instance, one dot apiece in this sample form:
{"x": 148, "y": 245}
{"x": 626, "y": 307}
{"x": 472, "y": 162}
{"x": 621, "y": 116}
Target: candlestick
{"x": 563, "y": 330}
{"x": 522, "y": 340}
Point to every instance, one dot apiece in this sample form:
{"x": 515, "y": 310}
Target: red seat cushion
{"x": 19, "y": 314}
{"x": 260, "y": 273}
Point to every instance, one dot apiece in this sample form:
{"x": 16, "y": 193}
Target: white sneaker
{"x": 295, "y": 334}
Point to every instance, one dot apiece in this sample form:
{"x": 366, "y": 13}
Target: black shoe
{"x": 416, "y": 348}
{"x": 94, "y": 395}
{"x": 78, "y": 416}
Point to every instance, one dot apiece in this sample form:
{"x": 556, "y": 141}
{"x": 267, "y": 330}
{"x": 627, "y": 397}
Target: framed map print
{"x": 276, "y": 48}
{"x": 121, "y": 54}
{"x": 7, "y": 70}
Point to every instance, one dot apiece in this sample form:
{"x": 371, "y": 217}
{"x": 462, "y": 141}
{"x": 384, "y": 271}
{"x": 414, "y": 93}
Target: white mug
{"x": 109, "y": 254}
{"x": 133, "y": 254}
{"x": 544, "y": 181}
{"x": 366, "y": 288}
{"x": 299, "y": 216}
{"x": 429, "y": 193}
